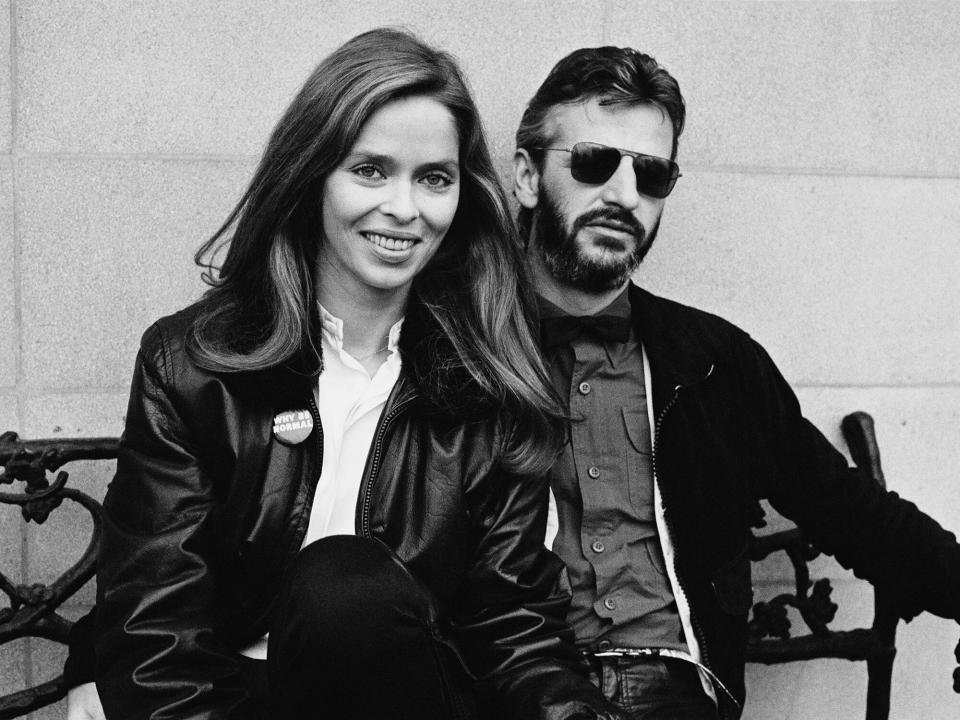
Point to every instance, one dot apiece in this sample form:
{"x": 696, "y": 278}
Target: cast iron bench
{"x": 32, "y": 610}
{"x": 770, "y": 641}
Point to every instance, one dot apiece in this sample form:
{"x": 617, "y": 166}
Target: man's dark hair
{"x": 612, "y": 74}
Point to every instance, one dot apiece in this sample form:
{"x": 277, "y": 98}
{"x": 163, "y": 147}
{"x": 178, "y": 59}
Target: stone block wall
{"x": 819, "y": 209}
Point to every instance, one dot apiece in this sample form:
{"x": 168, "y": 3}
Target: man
{"x": 680, "y": 421}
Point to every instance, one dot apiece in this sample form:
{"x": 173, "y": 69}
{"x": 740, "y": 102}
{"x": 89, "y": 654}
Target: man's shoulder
{"x": 685, "y": 342}
{"x": 670, "y": 316}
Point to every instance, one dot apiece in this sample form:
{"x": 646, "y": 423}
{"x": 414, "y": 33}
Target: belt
{"x": 616, "y": 652}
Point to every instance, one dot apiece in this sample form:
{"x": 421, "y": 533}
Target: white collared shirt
{"x": 350, "y": 403}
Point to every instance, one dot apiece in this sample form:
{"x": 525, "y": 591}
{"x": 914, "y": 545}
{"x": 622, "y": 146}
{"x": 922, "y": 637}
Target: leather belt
{"x": 615, "y": 652}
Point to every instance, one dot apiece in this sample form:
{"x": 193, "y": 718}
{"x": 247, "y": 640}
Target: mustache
{"x": 611, "y": 214}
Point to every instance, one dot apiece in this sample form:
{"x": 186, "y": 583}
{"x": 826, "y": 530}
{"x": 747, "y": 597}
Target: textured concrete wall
{"x": 819, "y": 209}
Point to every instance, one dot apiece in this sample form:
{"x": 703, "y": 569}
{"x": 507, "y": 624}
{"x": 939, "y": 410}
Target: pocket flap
{"x": 638, "y": 429}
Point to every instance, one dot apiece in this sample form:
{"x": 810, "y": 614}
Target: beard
{"x": 567, "y": 262}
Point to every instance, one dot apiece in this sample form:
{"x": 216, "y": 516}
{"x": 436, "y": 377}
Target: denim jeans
{"x": 653, "y": 688}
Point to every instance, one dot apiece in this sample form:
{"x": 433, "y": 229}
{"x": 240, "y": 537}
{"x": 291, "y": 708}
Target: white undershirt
{"x": 350, "y": 403}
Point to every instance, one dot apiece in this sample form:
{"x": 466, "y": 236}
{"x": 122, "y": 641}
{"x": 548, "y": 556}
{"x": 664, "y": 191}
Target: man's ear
{"x": 526, "y": 179}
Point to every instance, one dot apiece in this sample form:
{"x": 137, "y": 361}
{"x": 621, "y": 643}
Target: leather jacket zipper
{"x": 453, "y": 702}
{"x": 375, "y": 456}
{"x": 367, "y": 488}
{"x": 694, "y": 621}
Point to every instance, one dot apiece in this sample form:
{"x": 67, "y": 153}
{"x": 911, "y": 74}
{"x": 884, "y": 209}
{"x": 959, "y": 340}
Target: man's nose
{"x": 621, "y": 188}
{"x": 401, "y": 203}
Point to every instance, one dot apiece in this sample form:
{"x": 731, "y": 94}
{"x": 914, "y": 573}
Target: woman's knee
{"x": 344, "y": 593}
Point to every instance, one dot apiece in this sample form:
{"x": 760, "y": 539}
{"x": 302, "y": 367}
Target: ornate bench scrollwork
{"x": 32, "y": 610}
{"x": 770, "y": 640}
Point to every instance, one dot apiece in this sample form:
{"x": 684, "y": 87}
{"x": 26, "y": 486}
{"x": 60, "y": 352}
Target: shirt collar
{"x": 332, "y": 327}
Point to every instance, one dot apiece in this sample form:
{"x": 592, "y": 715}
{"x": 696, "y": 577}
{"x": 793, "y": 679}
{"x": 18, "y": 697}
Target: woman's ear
{"x": 526, "y": 179}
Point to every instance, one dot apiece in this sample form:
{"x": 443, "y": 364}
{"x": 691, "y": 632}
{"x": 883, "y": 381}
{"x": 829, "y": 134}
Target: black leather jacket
{"x": 207, "y": 508}
{"x": 729, "y": 432}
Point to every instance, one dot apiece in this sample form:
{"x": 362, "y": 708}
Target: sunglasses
{"x": 594, "y": 164}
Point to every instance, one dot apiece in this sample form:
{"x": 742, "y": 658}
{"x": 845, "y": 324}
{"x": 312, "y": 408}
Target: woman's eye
{"x": 368, "y": 172}
{"x": 437, "y": 180}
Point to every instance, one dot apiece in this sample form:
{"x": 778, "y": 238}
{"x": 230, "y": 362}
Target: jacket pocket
{"x": 732, "y": 585}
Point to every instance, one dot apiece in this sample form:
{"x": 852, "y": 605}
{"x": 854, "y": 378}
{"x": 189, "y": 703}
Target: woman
{"x": 329, "y": 492}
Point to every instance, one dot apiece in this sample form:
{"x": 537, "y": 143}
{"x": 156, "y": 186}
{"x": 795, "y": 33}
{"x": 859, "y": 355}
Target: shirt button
{"x": 594, "y": 472}
{"x": 604, "y": 645}
{"x": 597, "y": 546}
{"x": 610, "y": 604}
{"x": 584, "y": 388}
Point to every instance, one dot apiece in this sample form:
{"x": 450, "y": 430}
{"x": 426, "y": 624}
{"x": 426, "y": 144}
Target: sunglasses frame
{"x": 672, "y": 167}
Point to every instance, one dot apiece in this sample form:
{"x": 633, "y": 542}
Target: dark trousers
{"x": 653, "y": 688}
{"x": 356, "y": 637}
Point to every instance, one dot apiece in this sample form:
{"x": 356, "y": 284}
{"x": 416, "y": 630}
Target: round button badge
{"x": 292, "y": 427}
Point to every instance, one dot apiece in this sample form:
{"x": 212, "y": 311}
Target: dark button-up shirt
{"x": 603, "y": 485}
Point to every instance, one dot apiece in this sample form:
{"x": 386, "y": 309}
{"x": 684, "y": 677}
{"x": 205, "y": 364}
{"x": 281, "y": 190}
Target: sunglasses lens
{"x": 655, "y": 176}
{"x": 592, "y": 163}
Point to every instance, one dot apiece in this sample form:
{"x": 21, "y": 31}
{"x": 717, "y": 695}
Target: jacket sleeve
{"x": 882, "y": 537}
{"x": 510, "y": 623}
{"x": 156, "y": 653}
{"x": 79, "y": 667}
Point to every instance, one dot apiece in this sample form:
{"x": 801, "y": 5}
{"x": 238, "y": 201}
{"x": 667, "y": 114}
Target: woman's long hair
{"x": 260, "y": 310}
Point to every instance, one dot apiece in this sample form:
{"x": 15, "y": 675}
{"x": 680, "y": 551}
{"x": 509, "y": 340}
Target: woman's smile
{"x": 393, "y": 243}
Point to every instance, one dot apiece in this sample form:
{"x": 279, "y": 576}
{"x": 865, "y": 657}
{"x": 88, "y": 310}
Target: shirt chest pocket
{"x": 638, "y": 461}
